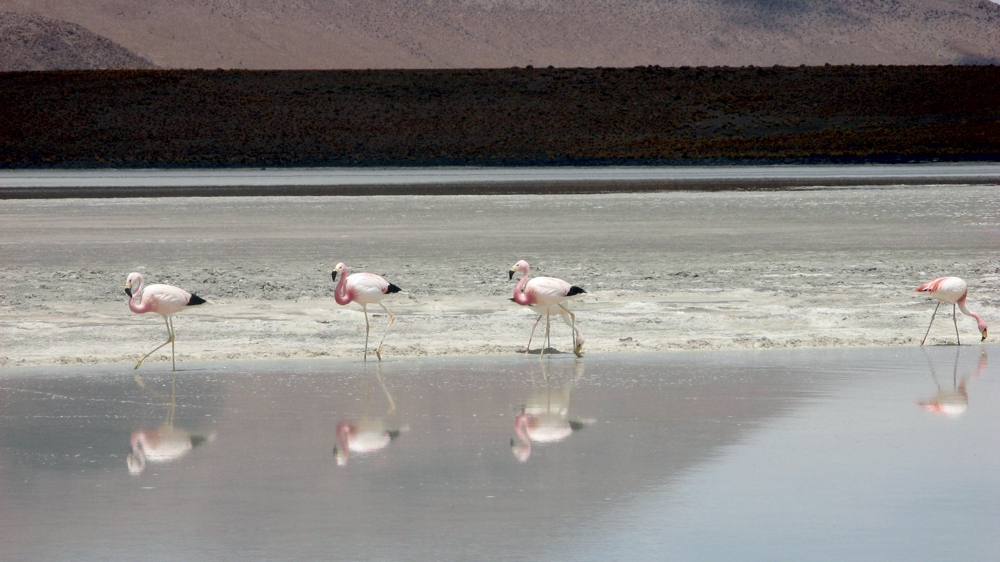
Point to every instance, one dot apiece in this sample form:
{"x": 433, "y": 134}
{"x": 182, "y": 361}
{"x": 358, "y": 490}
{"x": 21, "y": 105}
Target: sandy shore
{"x": 663, "y": 271}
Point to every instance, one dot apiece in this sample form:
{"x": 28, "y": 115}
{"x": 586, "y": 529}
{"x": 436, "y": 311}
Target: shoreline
{"x": 663, "y": 271}
{"x": 443, "y": 181}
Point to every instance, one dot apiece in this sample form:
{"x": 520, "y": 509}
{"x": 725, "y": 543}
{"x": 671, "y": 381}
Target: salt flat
{"x": 663, "y": 271}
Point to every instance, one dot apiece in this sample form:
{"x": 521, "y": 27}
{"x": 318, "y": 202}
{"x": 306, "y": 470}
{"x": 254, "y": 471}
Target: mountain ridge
{"x": 358, "y": 34}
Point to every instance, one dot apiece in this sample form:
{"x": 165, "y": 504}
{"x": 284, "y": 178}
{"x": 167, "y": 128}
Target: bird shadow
{"x": 547, "y": 351}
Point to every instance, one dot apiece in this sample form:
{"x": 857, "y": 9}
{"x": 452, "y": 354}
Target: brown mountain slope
{"x": 292, "y": 34}
{"x": 30, "y": 42}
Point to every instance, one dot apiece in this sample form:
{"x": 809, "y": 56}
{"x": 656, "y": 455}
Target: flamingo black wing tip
{"x": 392, "y": 289}
{"x": 574, "y": 290}
{"x": 196, "y": 300}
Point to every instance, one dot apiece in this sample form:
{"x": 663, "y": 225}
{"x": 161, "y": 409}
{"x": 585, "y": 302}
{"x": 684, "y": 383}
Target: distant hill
{"x": 310, "y": 34}
{"x": 510, "y": 116}
{"x": 29, "y": 42}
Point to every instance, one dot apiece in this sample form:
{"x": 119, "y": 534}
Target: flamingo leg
{"x": 392, "y": 318}
{"x": 367, "y": 329}
{"x": 954, "y": 317}
{"x": 537, "y": 320}
{"x": 170, "y": 340}
{"x": 931, "y": 324}
{"x": 576, "y": 348}
{"x": 548, "y": 325}
{"x": 173, "y": 359}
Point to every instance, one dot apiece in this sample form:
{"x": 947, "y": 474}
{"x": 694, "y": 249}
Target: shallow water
{"x": 884, "y": 454}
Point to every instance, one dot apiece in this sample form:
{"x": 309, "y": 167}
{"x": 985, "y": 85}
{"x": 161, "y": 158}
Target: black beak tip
{"x": 128, "y": 292}
{"x": 510, "y": 275}
{"x": 333, "y": 275}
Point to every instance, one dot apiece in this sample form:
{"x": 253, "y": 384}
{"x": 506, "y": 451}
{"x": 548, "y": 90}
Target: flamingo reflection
{"x": 165, "y": 443}
{"x": 954, "y": 401}
{"x": 368, "y": 434}
{"x": 544, "y": 417}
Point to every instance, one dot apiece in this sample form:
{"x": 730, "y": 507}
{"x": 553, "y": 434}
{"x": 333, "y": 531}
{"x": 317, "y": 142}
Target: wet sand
{"x": 663, "y": 271}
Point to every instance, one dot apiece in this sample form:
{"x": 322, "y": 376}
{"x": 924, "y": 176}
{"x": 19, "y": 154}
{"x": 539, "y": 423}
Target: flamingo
{"x": 364, "y": 289}
{"x": 542, "y": 295}
{"x": 953, "y": 290}
{"x": 164, "y": 300}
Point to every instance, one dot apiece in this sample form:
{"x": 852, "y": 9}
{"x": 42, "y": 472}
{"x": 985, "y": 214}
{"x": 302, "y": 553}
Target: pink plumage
{"x": 545, "y": 295}
{"x": 953, "y": 290}
{"x": 364, "y": 289}
{"x": 164, "y": 300}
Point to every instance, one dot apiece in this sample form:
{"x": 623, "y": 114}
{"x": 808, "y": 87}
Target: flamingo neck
{"x": 519, "y": 296}
{"x": 980, "y": 323}
{"x": 135, "y": 303}
{"x": 965, "y": 311}
{"x": 340, "y": 293}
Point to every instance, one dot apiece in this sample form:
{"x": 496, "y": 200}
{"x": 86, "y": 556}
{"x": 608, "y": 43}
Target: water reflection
{"x": 165, "y": 443}
{"x": 544, "y": 416}
{"x": 953, "y": 400}
{"x": 367, "y": 434}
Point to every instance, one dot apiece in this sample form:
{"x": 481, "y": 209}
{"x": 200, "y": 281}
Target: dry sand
{"x": 663, "y": 271}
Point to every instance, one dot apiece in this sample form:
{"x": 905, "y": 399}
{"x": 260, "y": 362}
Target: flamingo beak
{"x": 334, "y": 275}
{"x": 984, "y": 336}
{"x": 510, "y": 274}
{"x": 128, "y": 289}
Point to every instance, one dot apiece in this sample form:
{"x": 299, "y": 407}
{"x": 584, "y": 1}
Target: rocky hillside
{"x": 29, "y": 42}
{"x": 343, "y": 34}
{"x": 531, "y": 116}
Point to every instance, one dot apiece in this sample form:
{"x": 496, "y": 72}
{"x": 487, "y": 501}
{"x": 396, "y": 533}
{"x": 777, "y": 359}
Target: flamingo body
{"x": 164, "y": 300}
{"x": 952, "y": 290}
{"x": 544, "y": 296}
{"x": 364, "y": 289}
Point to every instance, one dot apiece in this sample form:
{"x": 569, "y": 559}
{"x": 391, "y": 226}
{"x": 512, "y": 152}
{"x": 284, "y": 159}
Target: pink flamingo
{"x": 542, "y": 294}
{"x": 164, "y": 300}
{"x": 953, "y": 290}
{"x": 364, "y": 289}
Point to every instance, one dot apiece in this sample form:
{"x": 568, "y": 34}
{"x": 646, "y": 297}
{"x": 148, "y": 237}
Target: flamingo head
{"x": 134, "y": 279}
{"x": 340, "y": 267}
{"x": 982, "y": 328}
{"x": 521, "y": 266}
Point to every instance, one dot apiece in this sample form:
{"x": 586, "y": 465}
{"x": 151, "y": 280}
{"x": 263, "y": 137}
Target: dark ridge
{"x": 196, "y": 300}
{"x": 392, "y": 289}
{"x": 500, "y": 117}
{"x": 574, "y": 290}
